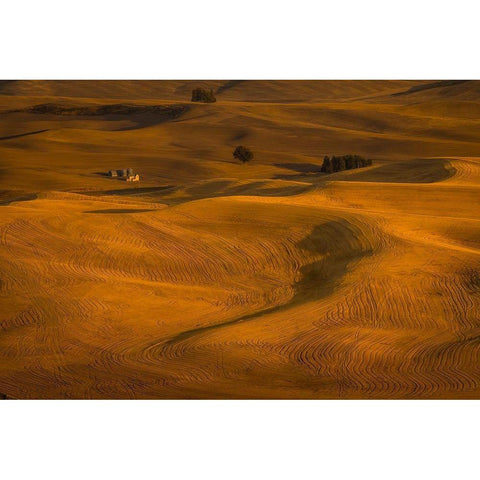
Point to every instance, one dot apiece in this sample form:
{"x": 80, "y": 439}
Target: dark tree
{"x": 327, "y": 165}
{"x": 348, "y": 162}
{"x": 345, "y": 162}
{"x": 243, "y": 154}
{"x": 203, "y": 95}
{"x": 338, "y": 164}
{"x": 334, "y": 161}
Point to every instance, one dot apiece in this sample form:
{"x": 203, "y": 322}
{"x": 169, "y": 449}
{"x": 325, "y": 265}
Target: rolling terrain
{"x": 215, "y": 279}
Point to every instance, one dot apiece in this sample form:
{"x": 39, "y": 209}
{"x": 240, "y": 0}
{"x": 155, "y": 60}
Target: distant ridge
{"x": 169, "y": 111}
{"x": 228, "y": 85}
{"x": 429, "y": 86}
{"x": 276, "y": 91}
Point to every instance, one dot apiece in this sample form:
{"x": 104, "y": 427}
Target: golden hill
{"x": 213, "y": 279}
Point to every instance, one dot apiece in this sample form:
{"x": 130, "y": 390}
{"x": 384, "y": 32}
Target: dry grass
{"x": 213, "y": 279}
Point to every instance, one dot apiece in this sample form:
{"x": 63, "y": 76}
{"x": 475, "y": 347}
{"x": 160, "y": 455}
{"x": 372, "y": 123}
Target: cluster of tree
{"x": 344, "y": 162}
{"x": 243, "y": 154}
{"x": 203, "y": 95}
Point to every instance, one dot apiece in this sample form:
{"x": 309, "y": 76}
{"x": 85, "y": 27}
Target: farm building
{"x": 126, "y": 174}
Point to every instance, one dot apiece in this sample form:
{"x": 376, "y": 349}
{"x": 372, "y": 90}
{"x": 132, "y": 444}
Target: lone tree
{"x": 243, "y": 154}
{"x": 203, "y": 95}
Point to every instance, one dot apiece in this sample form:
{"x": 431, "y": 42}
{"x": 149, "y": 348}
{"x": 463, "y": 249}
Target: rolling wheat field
{"x": 213, "y": 278}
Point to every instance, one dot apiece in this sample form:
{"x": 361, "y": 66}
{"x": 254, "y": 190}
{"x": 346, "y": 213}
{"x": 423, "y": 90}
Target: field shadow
{"x": 303, "y": 171}
{"x": 223, "y": 189}
{"x": 121, "y": 210}
{"x": 428, "y": 170}
{"x": 239, "y": 136}
{"x": 174, "y": 195}
{"x": 301, "y": 167}
{"x": 338, "y": 246}
{"x": 19, "y": 135}
{"x": 7, "y": 200}
{"x": 128, "y": 191}
{"x": 140, "y": 116}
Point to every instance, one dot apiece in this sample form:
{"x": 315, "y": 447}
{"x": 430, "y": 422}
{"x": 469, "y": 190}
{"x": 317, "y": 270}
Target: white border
{"x": 239, "y": 440}
{"x": 250, "y": 39}
{"x": 216, "y": 39}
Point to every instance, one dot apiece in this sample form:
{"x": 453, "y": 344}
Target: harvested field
{"x": 216, "y": 279}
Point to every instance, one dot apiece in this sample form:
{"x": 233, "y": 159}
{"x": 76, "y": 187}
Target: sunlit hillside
{"x": 213, "y": 278}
